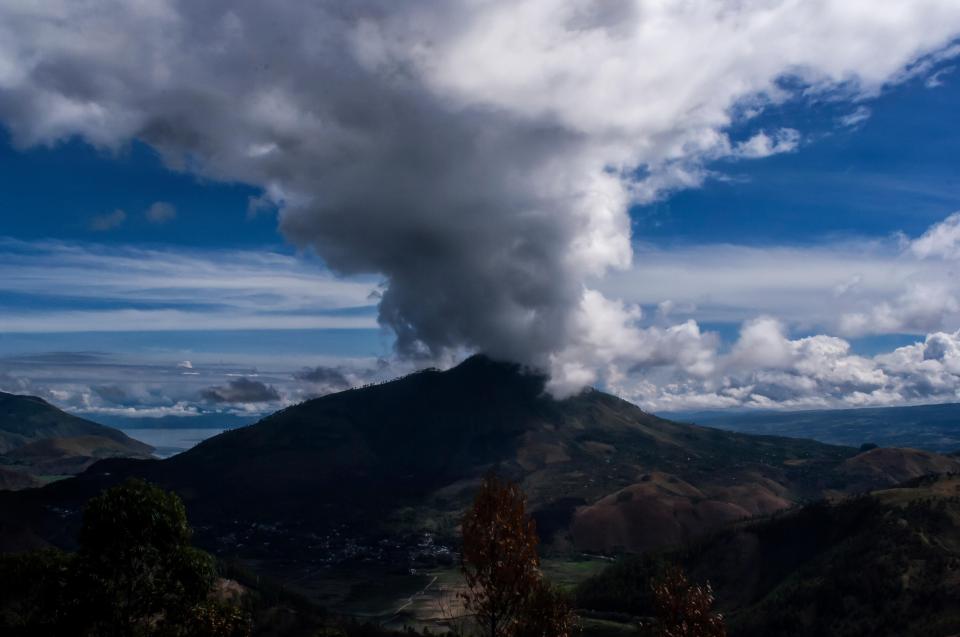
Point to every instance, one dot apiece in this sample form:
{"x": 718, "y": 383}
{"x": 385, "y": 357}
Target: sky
{"x": 232, "y": 207}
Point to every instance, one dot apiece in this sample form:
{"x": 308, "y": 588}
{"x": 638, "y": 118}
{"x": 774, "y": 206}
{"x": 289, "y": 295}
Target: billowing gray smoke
{"x": 480, "y": 156}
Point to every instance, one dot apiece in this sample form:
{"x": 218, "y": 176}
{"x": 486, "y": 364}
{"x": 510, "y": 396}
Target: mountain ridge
{"x": 404, "y": 456}
{"x": 934, "y": 427}
{"x": 38, "y": 439}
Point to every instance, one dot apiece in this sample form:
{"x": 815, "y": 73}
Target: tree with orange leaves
{"x": 684, "y": 609}
{"x": 505, "y": 591}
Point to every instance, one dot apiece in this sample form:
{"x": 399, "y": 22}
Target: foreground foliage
{"x": 887, "y": 564}
{"x": 684, "y": 608}
{"x": 135, "y": 574}
{"x": 506, "y": 593}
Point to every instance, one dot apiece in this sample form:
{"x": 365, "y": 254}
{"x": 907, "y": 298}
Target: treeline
{"x": 136, "y": 574}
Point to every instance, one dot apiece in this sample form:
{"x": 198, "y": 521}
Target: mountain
{"x": 199, "y": 421}
{"x": 883, "y": 564}
{"x": 403, "y": 457}
{"x": 930, "y": 427}
{"x": 25, "y": 419}
{"x": 37, "y": 439}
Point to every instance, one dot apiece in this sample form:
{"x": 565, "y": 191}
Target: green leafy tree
{"x": 140, "y": 574}
{"x": 547, "y": 613}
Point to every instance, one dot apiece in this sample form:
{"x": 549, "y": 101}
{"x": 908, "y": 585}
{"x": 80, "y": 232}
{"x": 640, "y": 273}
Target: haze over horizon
{"x": 230, "y": 207}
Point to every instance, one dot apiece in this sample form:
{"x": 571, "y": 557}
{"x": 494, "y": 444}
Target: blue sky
{"x": 766, "y": 226}
{"x": 894, "y": 171}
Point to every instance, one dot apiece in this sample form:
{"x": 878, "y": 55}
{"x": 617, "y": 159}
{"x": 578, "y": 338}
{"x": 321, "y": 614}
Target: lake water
{"x": 169, "y": 442}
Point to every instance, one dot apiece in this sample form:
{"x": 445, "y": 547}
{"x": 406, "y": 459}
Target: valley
{"x": 353, "y": 500}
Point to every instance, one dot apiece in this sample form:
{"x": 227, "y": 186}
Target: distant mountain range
{"x": 336, "y": 494}
{"x": 199, "y": 421}
{"x": 930, "y": 427}
{"x": 405, "y": 456}
{"x": 39, "y": 441}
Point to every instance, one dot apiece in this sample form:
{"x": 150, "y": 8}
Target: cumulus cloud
{"x": 921, "y": 307}
{"x": 768, "y": 369}
{"x": 324, "y": 376}
{"x": 108, "y": 221}
{"x": 160, "y": 212}
{"x": 848, "y": 287}
{"x": 241, "y": 390}
{"x": 481, "y": 157}
{"x": 111, "y": 393}
{"x": 151, "y": 386}
{"x": 928, "y": 299}
{"x": 942, "y": 240}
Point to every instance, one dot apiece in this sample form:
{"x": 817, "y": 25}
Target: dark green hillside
{"x": 25, "y": 419}
{"x": 39, "y": 440}
{"x": 883, "y": 564}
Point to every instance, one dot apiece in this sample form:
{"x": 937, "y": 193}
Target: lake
{"x": 169, "y": 442}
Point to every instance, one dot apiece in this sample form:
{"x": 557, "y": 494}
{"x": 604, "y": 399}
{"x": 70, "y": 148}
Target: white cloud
{"x": 941, "y": 240}
{"x": 151, "y": 386}
{"x": 149, "y": 290}
{"x": 856, "y": 117}
{"x": 847, "y": 287}
{"x": 936, "y": 80}
{"x": 128, "y": 320}
{"x": 481, "y": 157}
{"x": 767, "y": 369}
{"x": 761, "y": 145}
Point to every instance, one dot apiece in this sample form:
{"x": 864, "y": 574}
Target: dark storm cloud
{"x": 111, "y": 393}
{"x": 329, "y": 376}
{"x": 240, "y": 391}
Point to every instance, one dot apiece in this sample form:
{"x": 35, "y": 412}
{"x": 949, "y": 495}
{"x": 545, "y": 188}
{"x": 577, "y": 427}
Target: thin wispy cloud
{"x": 144, "y": 290}
{"x": 847, "y": 287}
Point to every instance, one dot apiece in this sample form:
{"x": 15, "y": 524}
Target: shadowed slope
{"x": 37, "y": 439}
{"x": 885, "y": 564}
{"x": 404, "y": 456}
{"x": 25, "y": 419}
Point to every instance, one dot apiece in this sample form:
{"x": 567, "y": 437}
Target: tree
{"x": 547, "y": 613}
{"x": 684, "y": 609}
{"x": 140, "y": 573}
{"x": 505, "y": 591}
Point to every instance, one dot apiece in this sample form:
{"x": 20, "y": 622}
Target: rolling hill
{"x": 40, "y": 440}
{"x": 884, "y": 564}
